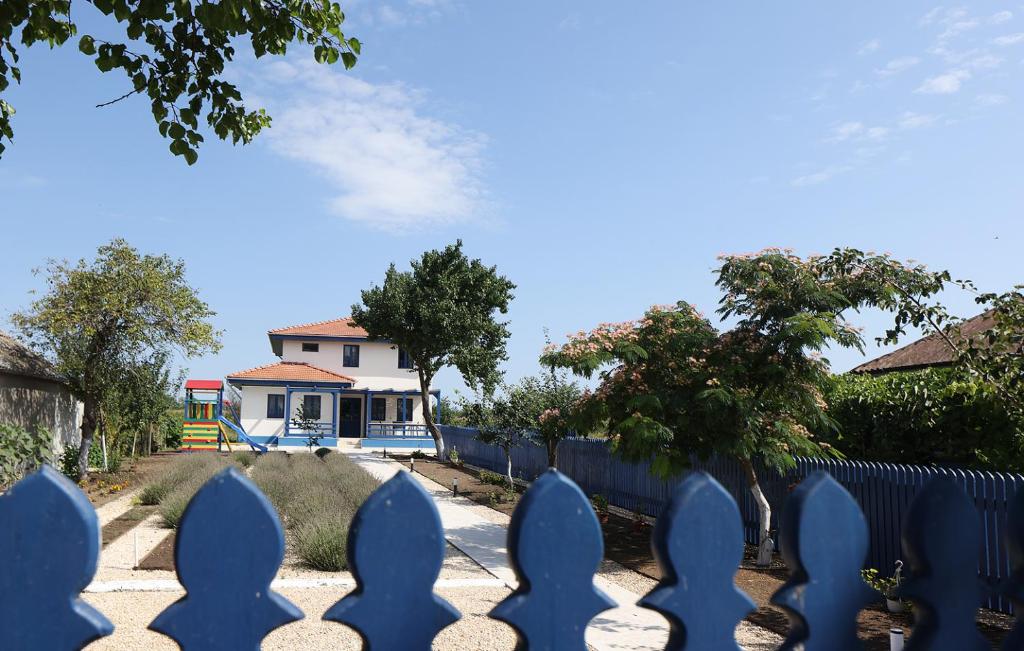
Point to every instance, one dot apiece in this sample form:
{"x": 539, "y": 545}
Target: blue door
{"x": 351, "y": 417}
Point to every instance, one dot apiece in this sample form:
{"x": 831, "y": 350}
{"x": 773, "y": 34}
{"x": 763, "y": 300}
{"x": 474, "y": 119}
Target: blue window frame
{"x": 404, "y": 361}
{"x": 311, "y": 407}
{"x": 405, "y": 415}
{"x": 379, "y": 409}
{"x": 351, "y": 356}
{"x": 310, "y": 348}
{"x": 275, "y": 405}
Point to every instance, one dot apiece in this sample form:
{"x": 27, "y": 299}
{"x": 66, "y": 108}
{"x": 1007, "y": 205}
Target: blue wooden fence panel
{"x": 49, "y": 538}
{"x": 884, "y": 492}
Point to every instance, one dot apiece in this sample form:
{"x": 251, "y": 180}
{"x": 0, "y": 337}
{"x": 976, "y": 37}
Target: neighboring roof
{"x": 291, "y": 372}
{"x": 341, "y": 327}
{"x": 18, "y": 359}
{"x": 927, "y": 351}
{"x": 204, "y": 385}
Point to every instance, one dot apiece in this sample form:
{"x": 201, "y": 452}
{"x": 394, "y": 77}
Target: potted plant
{"x": 887, "y": 586}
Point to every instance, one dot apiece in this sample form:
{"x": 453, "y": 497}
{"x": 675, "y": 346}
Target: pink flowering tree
{"x": 672, "y": 385}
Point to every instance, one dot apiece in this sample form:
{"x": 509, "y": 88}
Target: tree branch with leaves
{"x": 179, "y": 52}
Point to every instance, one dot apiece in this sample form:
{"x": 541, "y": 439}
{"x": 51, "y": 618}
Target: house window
{"x": 310, "y": 348}
{"x": 311, "y": 407}
{"x": 275, "y": 405}
{"x": 406, "y": 414}
{"x": 404, "y": 361}
{"x": 351, "y": 357}
{"x": 379, "y": 409}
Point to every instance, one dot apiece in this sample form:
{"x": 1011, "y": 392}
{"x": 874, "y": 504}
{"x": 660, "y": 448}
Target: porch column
{"x": 439, "y": 407}
{"x": 287, "y": 409}
{"x": 366, "y": 408}
{"x": 336, "y": 397}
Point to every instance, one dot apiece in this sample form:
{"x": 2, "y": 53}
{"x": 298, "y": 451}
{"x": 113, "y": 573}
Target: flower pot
{"x": 893, "y": 605}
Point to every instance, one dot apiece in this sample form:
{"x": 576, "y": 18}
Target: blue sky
{"x": 601, "y": 155}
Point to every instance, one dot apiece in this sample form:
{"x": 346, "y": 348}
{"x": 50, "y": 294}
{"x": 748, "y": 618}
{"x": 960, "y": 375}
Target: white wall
{"x": 378, "y": 363}
{"x": 31, "y": 402}
{"x": 256, "y": 423}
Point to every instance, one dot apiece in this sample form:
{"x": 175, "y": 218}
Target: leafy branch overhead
{"x": 175, "y": 53}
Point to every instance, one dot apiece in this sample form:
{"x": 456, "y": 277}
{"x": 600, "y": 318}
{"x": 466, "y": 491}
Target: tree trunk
{"x": 508, "y": 470}
{"x": 90, "y": 418}
{"x": 766, "y": 544}
{"x": 428, "y": 417}
{"x": 552, "y": 454}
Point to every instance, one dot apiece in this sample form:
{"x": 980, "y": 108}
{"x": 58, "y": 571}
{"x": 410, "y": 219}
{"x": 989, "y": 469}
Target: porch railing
{"x": 50, "y": 540}
{"x": 396, "y": 430}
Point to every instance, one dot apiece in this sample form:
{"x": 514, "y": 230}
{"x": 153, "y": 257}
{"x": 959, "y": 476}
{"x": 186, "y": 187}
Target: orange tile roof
{"x": 294, "y": 371}
{"x": 342, "y": 327}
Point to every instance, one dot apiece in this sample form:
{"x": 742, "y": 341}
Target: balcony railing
{"x": 396, "y": 430}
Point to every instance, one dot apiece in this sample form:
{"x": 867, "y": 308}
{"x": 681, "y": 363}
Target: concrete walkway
{"x": 483, "y": 539}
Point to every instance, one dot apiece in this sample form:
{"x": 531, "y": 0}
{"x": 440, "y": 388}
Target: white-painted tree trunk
{"x": 766, "y": 546}
{"x": 508, "y": 472}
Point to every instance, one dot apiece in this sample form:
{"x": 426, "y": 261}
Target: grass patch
{"x": 316, "y": 499}
{"x": 244, "y": 458}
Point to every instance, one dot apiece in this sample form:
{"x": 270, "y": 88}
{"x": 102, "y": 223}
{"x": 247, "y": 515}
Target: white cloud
{"x": 389, "y": 166}
{"x": 944, "y": 84}
{"x": 911, "y": 120}
{"x": 991, "y": 99}
{"x": 1000, "y": 17}
{"x": 820, "y": 176}
{"x": 877, "y": 133}
{"x": 867, "y": 47}
{"x": 897, "y": 66}
{"x": 846, "y": 130}
{"x": 1009, "y": 39}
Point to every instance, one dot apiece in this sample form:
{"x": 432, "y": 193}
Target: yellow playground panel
{"x": 201, "y": 428}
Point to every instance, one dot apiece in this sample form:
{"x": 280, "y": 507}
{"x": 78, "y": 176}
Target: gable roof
{"x": 291, "y": 372}
{"x": 927, "y": 351}
{"x": 340, "y": 327}
{"x": 18, "y": 359}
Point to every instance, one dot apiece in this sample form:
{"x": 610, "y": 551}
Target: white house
{"x": 354, "y": 388}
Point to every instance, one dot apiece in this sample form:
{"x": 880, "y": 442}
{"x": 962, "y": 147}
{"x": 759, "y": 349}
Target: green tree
{"x": 538, "y": 408}
{"x": 673, "y": 385}
{"x": 174, "y": 52}
{"x": 101, "y": 321}
{"x": 141, "y": 398}
{"x": 442, "y": 313}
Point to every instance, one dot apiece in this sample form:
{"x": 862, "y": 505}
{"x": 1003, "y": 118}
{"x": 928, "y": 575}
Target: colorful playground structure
{"x": 204, "y": 426}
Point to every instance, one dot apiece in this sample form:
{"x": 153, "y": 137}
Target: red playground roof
{"x": 208, "y": 385}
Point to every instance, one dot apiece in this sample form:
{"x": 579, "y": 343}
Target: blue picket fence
{"x": 884, "y": 492}
{"x": 50, "y": 541}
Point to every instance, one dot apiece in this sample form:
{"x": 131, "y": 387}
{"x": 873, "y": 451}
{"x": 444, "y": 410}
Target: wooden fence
{"x": 884, "y": 492}
{"x": 50, "y": 541}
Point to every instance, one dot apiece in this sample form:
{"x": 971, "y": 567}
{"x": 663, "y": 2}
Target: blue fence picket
{"x": 395, "y": 550}
{"x": 50, "y": 543}
{"x": 555, "y": 547}
{"x": 232, "y": 587}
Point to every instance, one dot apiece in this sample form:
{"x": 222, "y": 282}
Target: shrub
{"x": 244, "y": 458}
{"x": 600, "y": 503}
{"x": 22, "y": 451}
{"x": 69, "y": 463}
{"x": 180, "y": 471}
{"x": 322, "y": 452}
{"x": 198, "y": 470}
{"x": 939, "y": 416}
{"x": 488, "y": 477}
{"x": 316, "y": 499}
{"x": 321, "y": 544}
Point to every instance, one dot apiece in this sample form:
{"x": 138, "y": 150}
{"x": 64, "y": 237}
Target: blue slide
{"x": 242, "y": 436}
